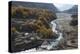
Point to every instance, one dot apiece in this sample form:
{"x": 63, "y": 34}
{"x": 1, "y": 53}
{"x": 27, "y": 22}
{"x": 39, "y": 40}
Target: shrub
{"x": 40, "y": 25}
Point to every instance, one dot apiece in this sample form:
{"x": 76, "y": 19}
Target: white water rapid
{"x": 56, "y": 42}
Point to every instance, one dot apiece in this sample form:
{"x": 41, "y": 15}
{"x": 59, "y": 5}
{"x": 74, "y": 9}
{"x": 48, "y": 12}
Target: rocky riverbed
{"x": 67, "y": 34}
{"x": 70, "y": 32}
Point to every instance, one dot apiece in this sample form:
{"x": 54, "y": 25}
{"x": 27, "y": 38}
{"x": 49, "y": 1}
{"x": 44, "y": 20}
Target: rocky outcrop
{"x": 24, "y": 41}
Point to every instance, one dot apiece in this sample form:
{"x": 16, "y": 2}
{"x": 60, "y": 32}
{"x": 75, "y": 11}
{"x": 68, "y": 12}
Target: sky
{"x": 60, "y": 4}
{"x": 63, "y": 7}
{"x": 64, "y": 4}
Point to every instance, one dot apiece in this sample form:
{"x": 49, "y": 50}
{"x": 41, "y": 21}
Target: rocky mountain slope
{"x": 48, "y": 6}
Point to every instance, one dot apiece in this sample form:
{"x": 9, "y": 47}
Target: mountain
{"x": 73, "y": 10}
{"x": 48, "y": 6}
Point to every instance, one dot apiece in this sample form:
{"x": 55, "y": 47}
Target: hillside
{"x": 48, "y": 6}
{"x": 73, "y": 10}
{"x": 32, "y": 19}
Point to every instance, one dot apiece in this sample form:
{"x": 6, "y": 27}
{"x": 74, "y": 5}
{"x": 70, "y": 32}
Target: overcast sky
{"x": 63, "y": 7}
{"x": 64, "y": 4}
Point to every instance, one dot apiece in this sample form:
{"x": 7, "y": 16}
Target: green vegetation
{"x": 41, "y": 18}
{"x": 22, "y": 12}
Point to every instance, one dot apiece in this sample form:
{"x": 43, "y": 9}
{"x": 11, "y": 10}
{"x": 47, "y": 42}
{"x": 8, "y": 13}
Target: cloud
{"x": 62, "y": 7}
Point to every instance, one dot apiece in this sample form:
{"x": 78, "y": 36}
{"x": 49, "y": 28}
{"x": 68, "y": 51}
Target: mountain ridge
{"x": 73, "y": 10}
{"x": 48, "y": 6}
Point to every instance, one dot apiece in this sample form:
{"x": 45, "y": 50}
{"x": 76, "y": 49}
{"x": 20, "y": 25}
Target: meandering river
{"x": 56, "y": 25}
{"x": 62, "y": 22}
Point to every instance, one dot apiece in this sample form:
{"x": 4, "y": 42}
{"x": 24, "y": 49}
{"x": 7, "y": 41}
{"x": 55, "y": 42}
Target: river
{"x": 61, "y": 22}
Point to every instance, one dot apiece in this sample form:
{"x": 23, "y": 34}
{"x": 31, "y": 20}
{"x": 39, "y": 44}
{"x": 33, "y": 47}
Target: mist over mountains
{"x": 73, "y": 10}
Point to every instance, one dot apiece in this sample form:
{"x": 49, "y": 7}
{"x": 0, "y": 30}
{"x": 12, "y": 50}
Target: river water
{"x": 53, "y": 44}
{"x": 61, "y": 23}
